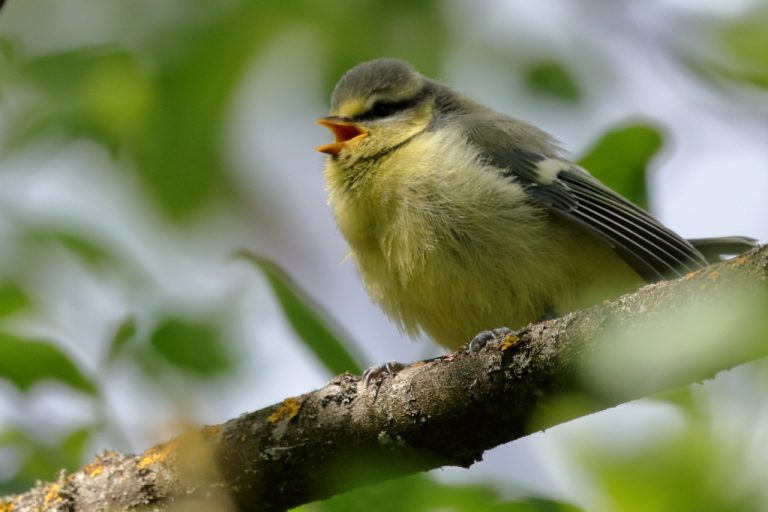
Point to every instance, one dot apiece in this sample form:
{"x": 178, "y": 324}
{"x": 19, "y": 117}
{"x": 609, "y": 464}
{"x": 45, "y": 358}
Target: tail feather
{"x": 716, "y": 249}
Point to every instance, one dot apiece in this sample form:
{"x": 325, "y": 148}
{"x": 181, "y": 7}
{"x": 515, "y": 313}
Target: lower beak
{"x": 344, "y": 132}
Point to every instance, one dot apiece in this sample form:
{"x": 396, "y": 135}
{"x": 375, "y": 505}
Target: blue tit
{"x": 461, "y": 219}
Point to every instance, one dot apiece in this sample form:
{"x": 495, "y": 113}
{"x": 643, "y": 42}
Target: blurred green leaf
{"x": 688, "y": 472}
{"x": 27, "y": 362}
{"x": 307, "y": 318}
{"x": 90, "y": 252}
{"x": 414, "y": 31}
{"x": 8, "y": 53}
{"x": 126, "y": 331}
{"x": 620, "y": 159}
{"x": 686, "y": 343}
{"x": 87, "y": 250}
{"x": 195, "y": 348}
{"x": 12, "y": 299}
{"x": 59, "y": 95}
{"x": 553, "y": 79}
{"x": 744, "y": 60}
{"x": 746, "y": 42}
{"x": 42, "y": 459}
{"x": 683, "y": 398}
{"x": 421, "y": 493}
{"x": 72, "y": 447}
{"x": 8, "y": 49}
{"x": 167, "y": 123}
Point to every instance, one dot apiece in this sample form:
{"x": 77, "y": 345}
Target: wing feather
{"x": 651, "y": 249}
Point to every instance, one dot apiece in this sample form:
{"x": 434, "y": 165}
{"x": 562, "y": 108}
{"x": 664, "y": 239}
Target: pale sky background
{"x": 711, "y": 179}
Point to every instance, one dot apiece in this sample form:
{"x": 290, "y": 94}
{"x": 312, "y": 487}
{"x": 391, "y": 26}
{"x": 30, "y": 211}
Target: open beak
{"x": 344, "y": 132}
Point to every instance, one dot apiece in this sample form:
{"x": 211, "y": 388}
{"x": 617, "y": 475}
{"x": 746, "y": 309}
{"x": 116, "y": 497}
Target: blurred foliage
{"x": 552, "y": 79}
{"x": 124, "y": 334}
{"x": 193, "y": 347}
{"x": 310, "y": 322}
{"x": 42, "y": 459}
{"x": 690, "y": 471}
{"x": 742, "y": 59}
{"x": 26, "y": 362}
{"x": 421, "y": 493}
{"x": 12, "y": 299}
{"x": 677, "y": 345}
{"x": 745, "y": 41}
{"x": 91, "y": 252}
{"x": 620, "y": 159}
{"x": 164, "y": 112}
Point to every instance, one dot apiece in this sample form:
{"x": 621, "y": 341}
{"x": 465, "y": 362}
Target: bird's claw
{"x": 482, "y": 338}
{"x": 376, "y": 373}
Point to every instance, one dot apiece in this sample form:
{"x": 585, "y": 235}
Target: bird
{"x": 464, "y": 222}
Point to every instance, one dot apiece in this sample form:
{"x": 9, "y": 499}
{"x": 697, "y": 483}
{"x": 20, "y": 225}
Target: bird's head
{"x": 376, "y": 107}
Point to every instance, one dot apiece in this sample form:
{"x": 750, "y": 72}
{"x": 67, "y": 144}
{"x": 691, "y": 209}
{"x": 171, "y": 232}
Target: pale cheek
{"x": 375, "y": 143}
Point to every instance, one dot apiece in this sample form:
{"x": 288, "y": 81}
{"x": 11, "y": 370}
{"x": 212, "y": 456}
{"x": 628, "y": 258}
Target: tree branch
{"x": 431, "y": 414}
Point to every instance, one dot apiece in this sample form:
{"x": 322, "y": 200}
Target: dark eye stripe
{"x": 382, "y": 109}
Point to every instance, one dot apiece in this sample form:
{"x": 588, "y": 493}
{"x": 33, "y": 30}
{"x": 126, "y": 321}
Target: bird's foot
{"x": 484, "y": 337}
{"x": 377, "y": 373}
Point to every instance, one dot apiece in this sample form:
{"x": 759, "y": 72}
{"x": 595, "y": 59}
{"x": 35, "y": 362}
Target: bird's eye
{"x": 383, "y": 109}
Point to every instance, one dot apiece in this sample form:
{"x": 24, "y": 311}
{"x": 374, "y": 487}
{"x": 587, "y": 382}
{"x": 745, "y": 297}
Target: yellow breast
{"x": 447, "y": 246}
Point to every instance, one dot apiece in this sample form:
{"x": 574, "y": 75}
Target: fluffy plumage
{"x": 461, "y": 219}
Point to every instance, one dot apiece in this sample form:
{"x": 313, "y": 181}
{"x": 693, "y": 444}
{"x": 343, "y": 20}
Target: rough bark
{"x": 431, "y": 414}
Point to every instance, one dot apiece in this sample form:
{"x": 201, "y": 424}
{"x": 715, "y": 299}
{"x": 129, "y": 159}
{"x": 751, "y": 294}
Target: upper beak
{"x": 344, "y": 131}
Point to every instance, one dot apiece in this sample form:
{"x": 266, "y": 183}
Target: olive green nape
{"x": 393, "y": 78}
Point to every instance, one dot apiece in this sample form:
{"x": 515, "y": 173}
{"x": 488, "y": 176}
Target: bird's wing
{"x": 651, "y": 249}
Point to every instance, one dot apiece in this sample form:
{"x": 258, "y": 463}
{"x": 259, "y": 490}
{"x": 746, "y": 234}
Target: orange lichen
{"x": 157, "y": 453}
{"x": 509, "y": 341}
{"x": 94, "y": 469}
{"x": 712, "y": 278}
{"x": 6, "y": 506}
{"x": 285, "y": 411}
{"x": 52, "y": 496}
{"x": 737, "y": 262}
